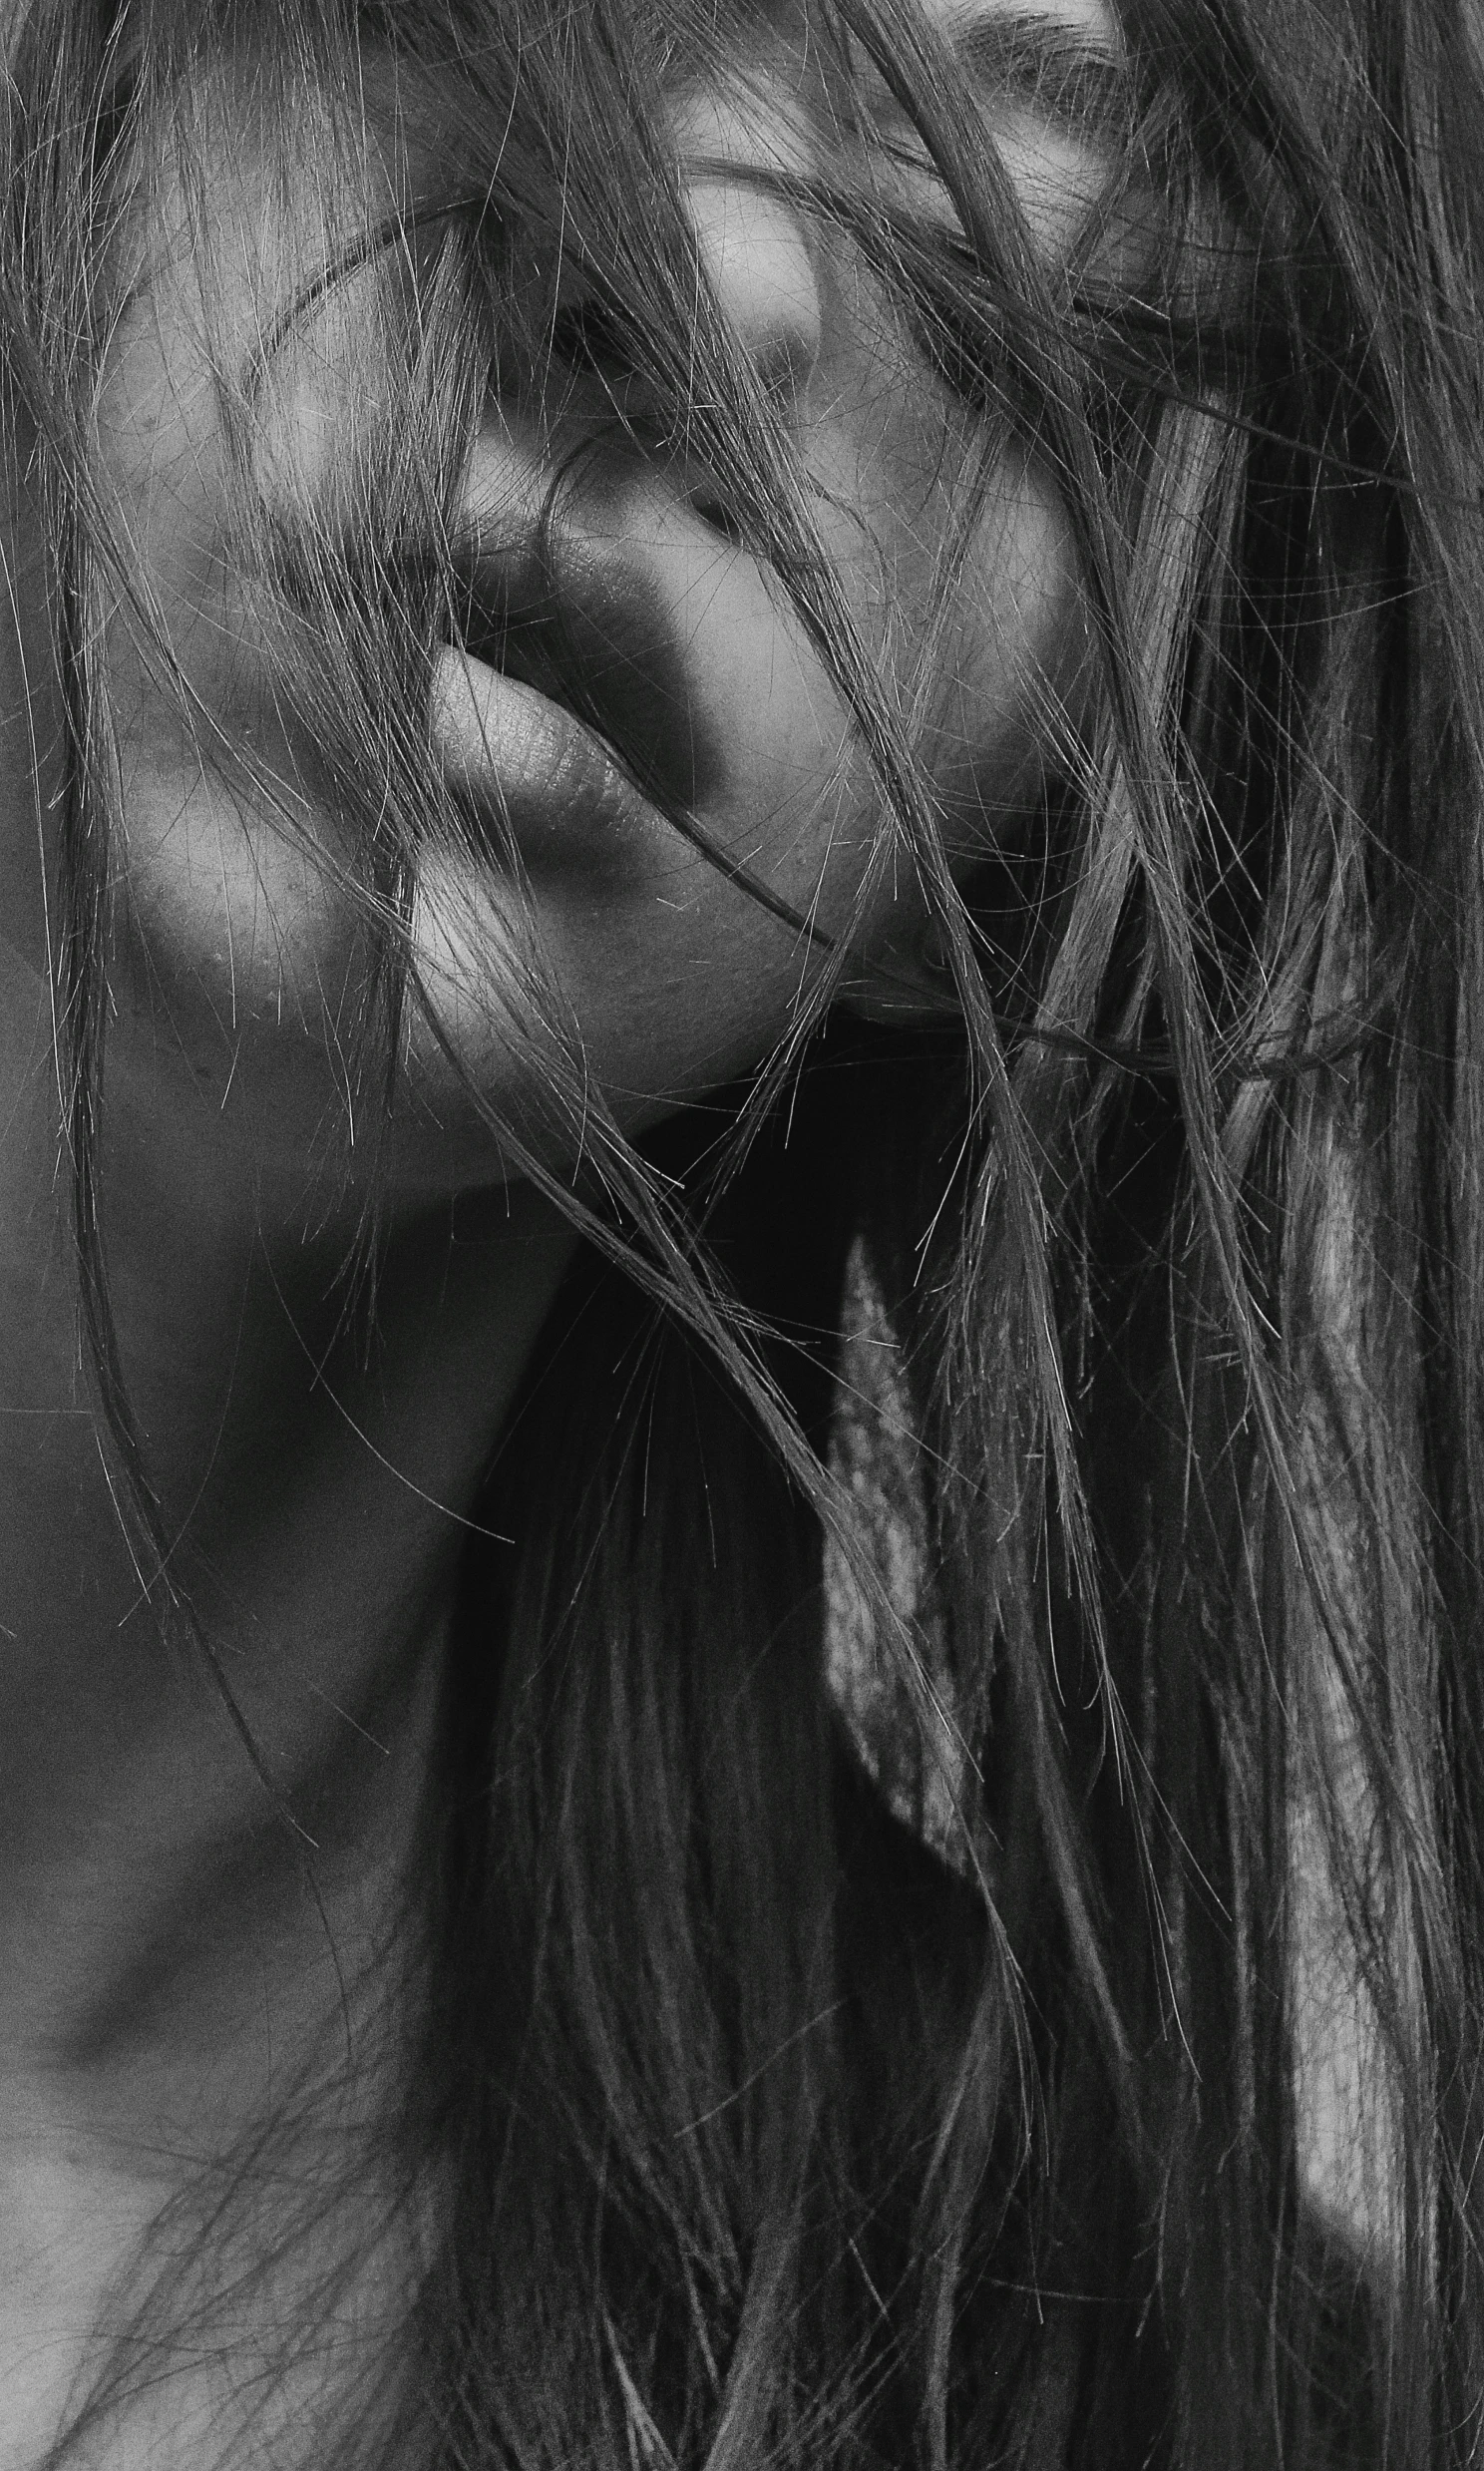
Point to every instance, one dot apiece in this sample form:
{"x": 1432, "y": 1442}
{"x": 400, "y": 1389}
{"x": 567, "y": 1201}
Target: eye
{"x": 1054, "y": 94}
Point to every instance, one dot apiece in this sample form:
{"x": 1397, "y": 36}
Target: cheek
{"x": 668, "y": 977}
{"x": 231, "y": 946}
{"x": 239, "y": 967}
{"x": 1017, "y": 668}
{"x": 983, "y": 645}
{"x": 188, "y": 694}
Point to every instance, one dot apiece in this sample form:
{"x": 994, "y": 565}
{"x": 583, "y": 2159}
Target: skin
{"x": 168, "y": 1972}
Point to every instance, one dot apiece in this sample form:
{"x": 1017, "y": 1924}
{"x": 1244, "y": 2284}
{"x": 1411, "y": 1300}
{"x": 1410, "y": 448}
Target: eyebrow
{"x": 1061, "y": 71}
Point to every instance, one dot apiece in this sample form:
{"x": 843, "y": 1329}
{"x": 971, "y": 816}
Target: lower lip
{"x": 530, "y": 769}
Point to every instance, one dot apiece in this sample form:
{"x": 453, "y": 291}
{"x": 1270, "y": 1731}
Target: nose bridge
{"x": 752, "y": 238}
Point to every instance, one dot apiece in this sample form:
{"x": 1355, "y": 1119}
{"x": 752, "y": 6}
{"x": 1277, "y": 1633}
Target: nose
{"x": 751, "y": 239}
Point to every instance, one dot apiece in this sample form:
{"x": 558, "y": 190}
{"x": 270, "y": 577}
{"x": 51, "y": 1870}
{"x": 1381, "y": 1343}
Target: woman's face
{"x": 243, "y": 965}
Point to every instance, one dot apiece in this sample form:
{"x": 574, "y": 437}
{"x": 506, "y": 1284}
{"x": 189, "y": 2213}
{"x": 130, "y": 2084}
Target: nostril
{"x": 718, "y": 517}
{"x": 586, "y": 339}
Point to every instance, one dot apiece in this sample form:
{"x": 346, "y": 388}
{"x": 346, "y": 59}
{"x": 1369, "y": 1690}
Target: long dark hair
{"x": 779, "y": 2132}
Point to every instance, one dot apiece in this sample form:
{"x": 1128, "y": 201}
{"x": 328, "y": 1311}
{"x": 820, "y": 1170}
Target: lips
{"x": 566, "y": 699}
{"x": 586, "y": 624}
{"x": 530, "y": 764}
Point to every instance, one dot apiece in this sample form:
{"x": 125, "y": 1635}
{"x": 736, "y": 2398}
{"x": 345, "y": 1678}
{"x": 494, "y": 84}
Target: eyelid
{"x": 1062, "y": 73}
{"x": 1056, "y": 100}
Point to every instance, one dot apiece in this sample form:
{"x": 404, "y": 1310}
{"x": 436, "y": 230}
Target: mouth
{"x": 533, "y": 770}
{"x": 578, "y": 621}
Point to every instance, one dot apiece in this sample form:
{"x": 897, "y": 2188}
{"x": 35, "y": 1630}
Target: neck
{"x": 187, "y": 1928}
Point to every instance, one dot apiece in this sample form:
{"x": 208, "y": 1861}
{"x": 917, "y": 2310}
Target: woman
{"x": 741, "y": 875}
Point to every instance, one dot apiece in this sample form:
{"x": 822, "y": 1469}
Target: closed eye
{"x": 1062, "y": 73}
{"x": 1057, "y": 97}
